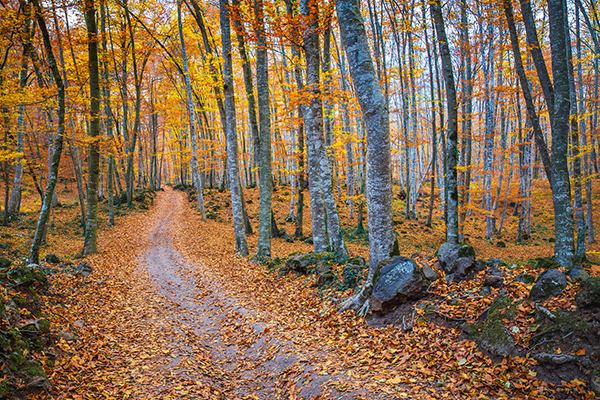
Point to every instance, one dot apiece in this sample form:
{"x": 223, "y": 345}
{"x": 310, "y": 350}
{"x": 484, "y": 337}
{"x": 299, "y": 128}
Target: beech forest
{"x": 299, "y": 199}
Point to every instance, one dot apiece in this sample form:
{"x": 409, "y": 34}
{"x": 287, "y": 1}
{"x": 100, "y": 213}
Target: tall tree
{"x": 376, "y": 119}
{"x": 91, "y": 220}
{"x": 196, "y": 176}
{"x": 264, "y": 119}
{"x": 452, "y": 136}
{"x": 34, "y": 254}
{"x": 232, "y": 145}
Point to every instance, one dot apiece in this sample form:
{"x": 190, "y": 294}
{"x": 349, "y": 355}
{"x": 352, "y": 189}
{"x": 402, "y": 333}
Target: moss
{"x": 34, "y": 368}
{"x": 466, "y": 251}
{"x": 546, "y": 263}
{"x": 589, "y": 294}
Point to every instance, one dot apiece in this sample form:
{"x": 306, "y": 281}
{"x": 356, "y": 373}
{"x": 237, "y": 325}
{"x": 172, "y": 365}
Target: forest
{"x": 299, "y": 199}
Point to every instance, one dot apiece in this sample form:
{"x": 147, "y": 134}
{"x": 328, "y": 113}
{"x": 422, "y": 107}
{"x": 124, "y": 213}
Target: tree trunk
{"x": 561, "y": 193}
{"x": 197, "y": 177}
{"x": 376, "y": 118}
{"x": 34, "y": 255}
{"x": 232, "y": 145}
{"x": 452, "y": 137}
{"x": 91, "y": 222}
{"x": 262, "y": 89}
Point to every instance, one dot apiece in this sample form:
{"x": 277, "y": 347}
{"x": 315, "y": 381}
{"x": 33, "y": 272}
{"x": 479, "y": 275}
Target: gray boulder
{"x": 549, "y": 284}
{"x": 399, "y": 281}
{"x": 457, "y": 261}
{"x": 589, "y": 294}
{"x": 84, "y": 269}
{"x": 578, "y": 274}
{"x": 299, "y": 263}
{"x": 428, "y": 272}
{"x": 325, "y": 275}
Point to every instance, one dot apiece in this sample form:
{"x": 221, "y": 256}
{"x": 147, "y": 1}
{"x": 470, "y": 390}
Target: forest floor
{"x": 171, "y": 312}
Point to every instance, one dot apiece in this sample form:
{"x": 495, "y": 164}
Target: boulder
{"x": 52, "y": 258}
{"x": 589, "y": 294}
{"x": 491, "y": 334}
{"x": 27, "y": 275}
{"x": 299, "y": 263}
{"x": 5, "y": 263}
{"x": 549, "y": 284}
{"x": 351, "y": 275}
{"x": 399, "y": 281}
{"x": 457, "y": 261}
{"x": 325, "y": 275}
{"x": 578, "y": 274}
{"x": 84, "y": 269}
{"x": 428, "y": 272}
{"x": 525, "y": 278}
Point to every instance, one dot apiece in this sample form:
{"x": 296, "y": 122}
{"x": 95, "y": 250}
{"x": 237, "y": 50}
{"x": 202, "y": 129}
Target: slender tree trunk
{"x": 197, "y": 177}
{"x": 91, "y": 222}
{"x": 34, "y": 255}
{"x": 262, "y": 86}
{"x": 232, "y": 145}
{"x": 452, "y": 137}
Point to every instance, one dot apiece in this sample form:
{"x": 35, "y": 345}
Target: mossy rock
{"x": 34, "y": 369}
{"x": 27, "y": 275}
{"x": 525, "y": 278}
{"x": 490, "y": 333}
{"x": 466, "y": 250}
{"x": 589, "y": 294}
{"x": 5, "y": 263}
{"x": 546, "y": 263}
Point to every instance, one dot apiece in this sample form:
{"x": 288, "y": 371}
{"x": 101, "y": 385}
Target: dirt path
{"x": 251, "y": 362}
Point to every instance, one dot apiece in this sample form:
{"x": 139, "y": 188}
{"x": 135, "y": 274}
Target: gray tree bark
{"x": 232, "y": 145}
{"x": 376, "y": 118}
{"x": 452, "y": 136}
{"x": 197, "y": 177}
{"x": 265, "y": 177}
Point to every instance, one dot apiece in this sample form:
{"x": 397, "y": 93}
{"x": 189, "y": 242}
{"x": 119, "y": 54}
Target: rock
{"x": 79, "y": 323}
{"x": 525, "y": 278}
{"x": 554, "y": 359}
{"x": 428, "y": 272}
{"x": 494, "y": 281}
{"x": 485, "y": 291}
{"x": 84, "y": 269}
{"x": 457, "y": 260}
{"x": 578, "y": 274}
{"x": 351, "y": 275}
{"x": 5, "y": 263}
{"x": 36, "y": 327}
{"x": 67, "y": 336}
{"x": 299, "y": 263}
{"x": 52, "y": 258}
{"x": 589, "y": 294}
{"x": 494, "y": 337}
{"x": 595, "y": 383}
{"x": 546, "y": 263}
{"x": 399, "y": 281}
{"x": 494, "y": 278}
{"x": 325, "y": 275}
{"x": 549, "y": 284}
{"x": 27, "y": 275}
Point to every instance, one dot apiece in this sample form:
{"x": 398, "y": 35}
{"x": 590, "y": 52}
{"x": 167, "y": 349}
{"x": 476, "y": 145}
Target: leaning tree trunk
{"x": 232, "y": 145}
{"x": 264, "y": 119}
{"x": 91, "y": 221}
{"x": 34, "y": 255}
{"x": 452, "y": 138}
{"x": 376, "y": 118}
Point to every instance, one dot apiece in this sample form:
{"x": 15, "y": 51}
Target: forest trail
{"x": 231, "y": 339}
